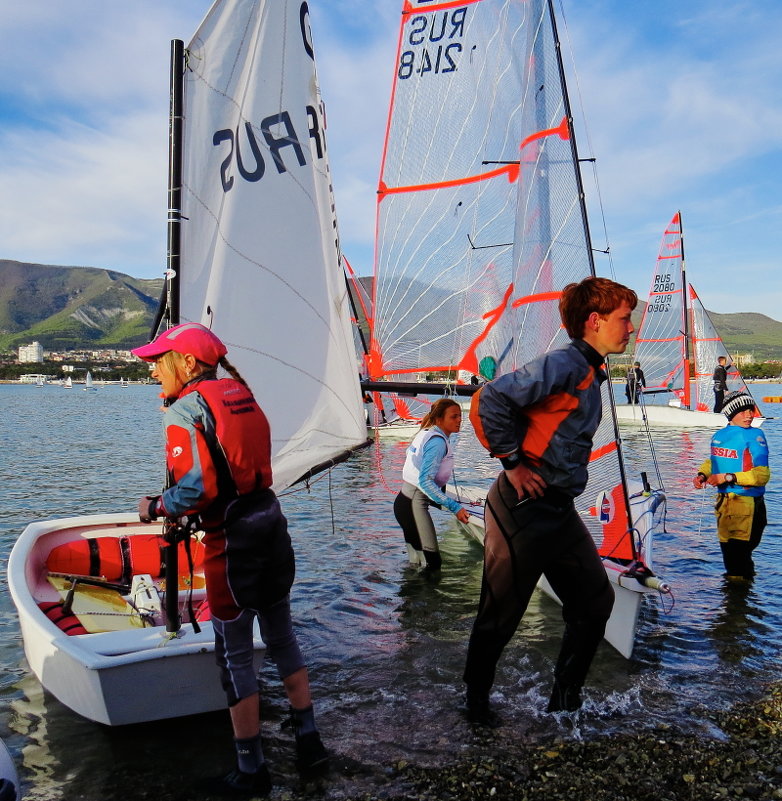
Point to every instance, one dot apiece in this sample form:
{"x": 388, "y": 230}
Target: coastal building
{"x": 31, "y": 353}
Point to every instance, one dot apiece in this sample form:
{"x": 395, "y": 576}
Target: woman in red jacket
{"x": 218, "y": 455}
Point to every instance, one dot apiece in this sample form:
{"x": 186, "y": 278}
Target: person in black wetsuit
{"x": 539, "y": 422}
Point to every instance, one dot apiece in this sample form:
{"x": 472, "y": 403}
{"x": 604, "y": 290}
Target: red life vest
{"x": 242, "y": 431}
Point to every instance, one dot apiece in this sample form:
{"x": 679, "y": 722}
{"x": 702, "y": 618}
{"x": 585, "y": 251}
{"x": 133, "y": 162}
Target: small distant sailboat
{"x": 678, "y": 346}
{"x": 68, "y": 383}
{"x": 40, "y": 382}
{"x": 88, "y": 386}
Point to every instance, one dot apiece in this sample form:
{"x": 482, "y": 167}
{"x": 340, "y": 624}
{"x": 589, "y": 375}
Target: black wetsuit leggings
{"x": 524, "y": 540}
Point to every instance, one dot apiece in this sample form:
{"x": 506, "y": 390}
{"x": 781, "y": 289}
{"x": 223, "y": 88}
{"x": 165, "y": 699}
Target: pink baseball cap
{"x": 192, "y": 338}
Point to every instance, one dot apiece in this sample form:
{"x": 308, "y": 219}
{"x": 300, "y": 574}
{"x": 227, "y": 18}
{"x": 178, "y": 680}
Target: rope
{"x": 700, "y": 510}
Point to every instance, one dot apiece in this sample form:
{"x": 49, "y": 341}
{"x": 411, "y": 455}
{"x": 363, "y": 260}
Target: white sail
{"x": 481, "y": 221}
{"x": 707, "y": 347}
{"x": 260, "y": 251}
{"x": 661, "y": 341}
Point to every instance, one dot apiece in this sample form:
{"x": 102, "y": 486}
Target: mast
{"x": 590, "y": 255}
{"x": 573, "y": 146}
{"x": 686, "y": 321}
{"x": 173, "y": 252}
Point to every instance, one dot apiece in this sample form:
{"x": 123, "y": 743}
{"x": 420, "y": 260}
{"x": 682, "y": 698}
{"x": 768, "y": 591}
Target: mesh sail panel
{"x": 660, "y": 342}
{"x": 551, "y": 250}
{"x": 447, "y": 189}
{"x": 707, "y": 347}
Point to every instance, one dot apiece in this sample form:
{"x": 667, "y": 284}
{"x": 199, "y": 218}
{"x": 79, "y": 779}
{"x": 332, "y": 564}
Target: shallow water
{"x": 384, "y": 645}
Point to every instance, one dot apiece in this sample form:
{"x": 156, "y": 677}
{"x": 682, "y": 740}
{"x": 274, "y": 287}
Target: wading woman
{"x": 428, "y": 467}
{"x": 218, "y": 456}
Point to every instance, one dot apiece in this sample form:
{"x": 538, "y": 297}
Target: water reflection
{"x": 386, "y": 648}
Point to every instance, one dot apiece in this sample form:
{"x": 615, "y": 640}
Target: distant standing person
{"x": 720, "y": 378}
{"x": 427, "y": 469}
{"x": 539, "y": 422}
{"x": 636, "y": 381}
{"x": 738, "y": 468}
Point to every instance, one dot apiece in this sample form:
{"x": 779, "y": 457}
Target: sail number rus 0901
{"x": 435, "y": 42}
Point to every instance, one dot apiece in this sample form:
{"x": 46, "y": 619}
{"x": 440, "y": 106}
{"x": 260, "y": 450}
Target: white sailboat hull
{"x": 673, "y": 416}
{"x": 629, "y": 592}
{"x": 113, "y": 677}
{"x": 399, "y": 429}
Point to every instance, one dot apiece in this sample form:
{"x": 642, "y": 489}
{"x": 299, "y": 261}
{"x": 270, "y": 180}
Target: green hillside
{"x": 76, "y": 307}
{"x": 72, "y": 307}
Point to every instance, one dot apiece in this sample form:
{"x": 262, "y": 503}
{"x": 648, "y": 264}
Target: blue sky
{"x": 682, "y": 100}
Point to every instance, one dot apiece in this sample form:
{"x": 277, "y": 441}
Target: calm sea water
{"x": 385, "y": 647}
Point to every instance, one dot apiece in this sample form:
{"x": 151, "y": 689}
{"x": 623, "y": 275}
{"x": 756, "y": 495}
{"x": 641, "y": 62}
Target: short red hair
{"x": 601, "y": 295}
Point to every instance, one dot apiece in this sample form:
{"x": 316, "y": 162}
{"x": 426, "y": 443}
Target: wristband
{"x": 510, "y": 461}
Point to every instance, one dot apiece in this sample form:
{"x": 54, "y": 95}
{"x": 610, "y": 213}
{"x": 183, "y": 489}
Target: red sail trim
{"x": 470, "y": 359}
{"x": 670, "y": 339}
{"x": 562, "y": 130}
{"x": 672, "y": 256}
{"x": 511, "y": 170}
{"x": 599, "y": 453}
{"x": 617, "y": 542}
{"x": 408, "y": 8}
{"x": 537, "y": 298}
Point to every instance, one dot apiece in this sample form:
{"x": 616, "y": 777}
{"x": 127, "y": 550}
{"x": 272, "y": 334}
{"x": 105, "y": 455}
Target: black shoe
{"x": 478, "y": 711}
{"x": 310, "y": 752}
{"x": 237, "y": 784}
{"x": 564, "y": 699}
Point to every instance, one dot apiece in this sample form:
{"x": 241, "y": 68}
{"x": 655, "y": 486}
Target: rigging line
{"x": 648, "y": 431}
{"x": 484, "y": 247}
{"x": 569, "y": 41}
{"x": 700, "y": 510}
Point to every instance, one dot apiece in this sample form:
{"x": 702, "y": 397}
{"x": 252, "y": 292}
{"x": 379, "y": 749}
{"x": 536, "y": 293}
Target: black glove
{"x": 147, "y": 508}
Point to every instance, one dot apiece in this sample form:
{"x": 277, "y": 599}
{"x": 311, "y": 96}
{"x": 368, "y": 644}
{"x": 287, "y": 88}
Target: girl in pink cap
{"x": 218, "y": 455}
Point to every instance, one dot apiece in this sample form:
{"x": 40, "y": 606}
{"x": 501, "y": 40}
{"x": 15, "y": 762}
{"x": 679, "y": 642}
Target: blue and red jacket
{"x": 547, "y": 412}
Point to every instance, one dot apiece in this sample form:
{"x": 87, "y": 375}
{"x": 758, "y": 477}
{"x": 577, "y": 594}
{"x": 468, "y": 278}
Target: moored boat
{"x": 678, "y": 347}
{"x": 107, "y": 655}
{"x": 252, "y": 254}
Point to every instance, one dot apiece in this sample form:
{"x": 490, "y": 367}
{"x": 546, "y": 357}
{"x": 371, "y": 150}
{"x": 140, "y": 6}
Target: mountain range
{"x": 67, "y": 308}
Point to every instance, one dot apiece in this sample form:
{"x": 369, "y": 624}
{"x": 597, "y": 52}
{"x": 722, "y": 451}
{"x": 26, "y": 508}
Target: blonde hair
{"x": 174, "y": 360}
{"x": 437, "y": 412}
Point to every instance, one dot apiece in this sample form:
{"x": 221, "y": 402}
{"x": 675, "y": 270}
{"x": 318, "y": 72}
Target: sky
{"x": 679, "y": 101}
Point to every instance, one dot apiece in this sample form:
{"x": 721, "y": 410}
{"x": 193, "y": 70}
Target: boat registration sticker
{"x": 605, "y": 507}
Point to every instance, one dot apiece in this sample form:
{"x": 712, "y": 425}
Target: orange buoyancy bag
{"x": 119, "y": 558}
{"x": 70, "y": 624}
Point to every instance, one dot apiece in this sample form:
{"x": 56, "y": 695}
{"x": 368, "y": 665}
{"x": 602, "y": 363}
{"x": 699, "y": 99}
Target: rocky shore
{"x": 657, "y": 765}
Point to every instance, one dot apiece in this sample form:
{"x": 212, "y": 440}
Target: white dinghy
{"x": 252, "y": 253}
